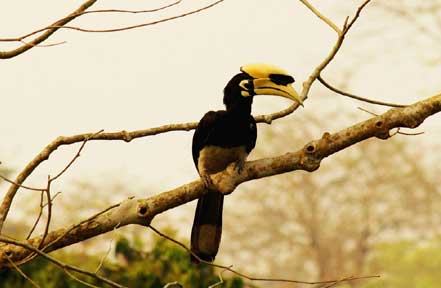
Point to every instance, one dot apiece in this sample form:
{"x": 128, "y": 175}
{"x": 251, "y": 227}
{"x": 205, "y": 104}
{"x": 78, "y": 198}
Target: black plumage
{"x": 222, "y": 137}
{"x": 228, "y": 136}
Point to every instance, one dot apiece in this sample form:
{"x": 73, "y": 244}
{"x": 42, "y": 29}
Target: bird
{"x": 227, "y": 136}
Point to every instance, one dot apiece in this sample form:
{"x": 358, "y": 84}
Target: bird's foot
{"x": 239, "y": 165}
{"x": 206, "y": 179}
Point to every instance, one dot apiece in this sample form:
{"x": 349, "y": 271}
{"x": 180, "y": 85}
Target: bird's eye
{"x": 247, "y": 85}
{"x": 281, "y": 79}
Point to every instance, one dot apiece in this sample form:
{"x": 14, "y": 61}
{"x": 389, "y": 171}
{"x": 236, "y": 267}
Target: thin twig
{"x": 410, "y": 134}
{"x": 108, "y": 251}
{"x": 221, "y": 280}
{"x": 75, "y": 157}
{"x": 125, "y": 28}
{"x": 42, "y": 45}
{"x": 398, "y": 129}
{"x": 57, "y": 25}
{"x": 330, "y": 87}
{"x": 81, "y": 223}
{"x": 67, "y": 231}
{"x": 49, "y": 30}
{"x": 71, "y": 275}
{"x": 48, "y": 188}
{"x": 47, "y": 33}
{"x": 367, "y": 111}
{"x": 21, "y": 185}
{"x": 131, "y": 11}
{"x": 49, "y": 212}
{"x": 317, "y": 71}
{"x": 22, "y": 273}
{"x": 173, "y": 284}
{"x": 228, "y": 268}
{"x": 40, "y": 213}
{"x": 357, "y": 14}
{"x": 38, "y": 217}
{"x": 60, "y": 263}
{"x": 321, "y": 16}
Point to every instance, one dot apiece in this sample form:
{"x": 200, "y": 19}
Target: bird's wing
{"x": 251, "y": 143}
{"x": 206, "y": 132}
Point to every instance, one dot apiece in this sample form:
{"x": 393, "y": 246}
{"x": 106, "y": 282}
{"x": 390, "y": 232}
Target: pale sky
{"x": 175, "y": 72}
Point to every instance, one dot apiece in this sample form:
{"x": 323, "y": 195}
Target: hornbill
{"x": 227, "y": 136}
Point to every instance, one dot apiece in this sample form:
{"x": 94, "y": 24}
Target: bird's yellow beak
{"x": 264, "y": 86}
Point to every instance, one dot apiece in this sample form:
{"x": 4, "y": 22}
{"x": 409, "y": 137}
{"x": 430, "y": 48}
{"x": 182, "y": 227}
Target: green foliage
{"x": 406, "y": 264}
{"x": 165, "y": 263}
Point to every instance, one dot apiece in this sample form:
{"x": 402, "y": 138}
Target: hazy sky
{"x": 174, "y": 72}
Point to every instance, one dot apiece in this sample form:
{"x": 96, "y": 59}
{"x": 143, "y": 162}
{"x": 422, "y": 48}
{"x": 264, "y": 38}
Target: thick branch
{"x": 141, "y": 211}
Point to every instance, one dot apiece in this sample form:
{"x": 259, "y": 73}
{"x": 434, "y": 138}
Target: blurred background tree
{"x": 329, "y": 223}
{"x": 131, "y": 266}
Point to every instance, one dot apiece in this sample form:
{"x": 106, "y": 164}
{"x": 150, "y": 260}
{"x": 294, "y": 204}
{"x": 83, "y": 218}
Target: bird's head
{"x": 260, "y": 79}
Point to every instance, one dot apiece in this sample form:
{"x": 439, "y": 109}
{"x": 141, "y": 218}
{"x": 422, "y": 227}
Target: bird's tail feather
{"x": 207, "y": 226}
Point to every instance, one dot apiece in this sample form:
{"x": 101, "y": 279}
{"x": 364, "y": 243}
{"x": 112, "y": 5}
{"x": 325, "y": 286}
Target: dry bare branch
{"x": 321, "y": 16}
{"x": 132, "y": 11}
{"x": 125, "y": 28}
{"x": 341, "y": 36}
{"x": 61, "y": 24}
{"x": 142, "y": 211}
{"x": 251, "y": 278}
{"x": 49, "y": 212}
{"x": 78, "y": 279}
{"x": 330, "y": 87}
{"x": 47, "y": 33}
{"x": 51, "y": 179}
{"x": 20, "y": 185}
{"x": 40, "y": 213}
{"x": 22, "y": 273}
{"x": 221, "y": 280}
{"x": 109, "y": 249}
{"x": 174, "y": 284}
{"x": 316, "y": 72}
{"x": 59, "y": 263}
{"x": 398, "y": 129}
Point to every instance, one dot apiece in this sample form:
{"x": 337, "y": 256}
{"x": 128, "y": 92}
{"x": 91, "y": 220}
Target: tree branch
{"x": 128, "y": 136}
{"x": 22, "y": 273}
{"x": 142, "y": 211}
{"x": 61, "y": 24}
{"x": 251, "y": 278}
{"x": 142, "y": 24}
{"x": 341, "y": 36}
{"x": 64, "y": 266}
{"x": 49, "y": 31}
{"x": 338, "y": 91}
{"x": 321, "y": 16}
